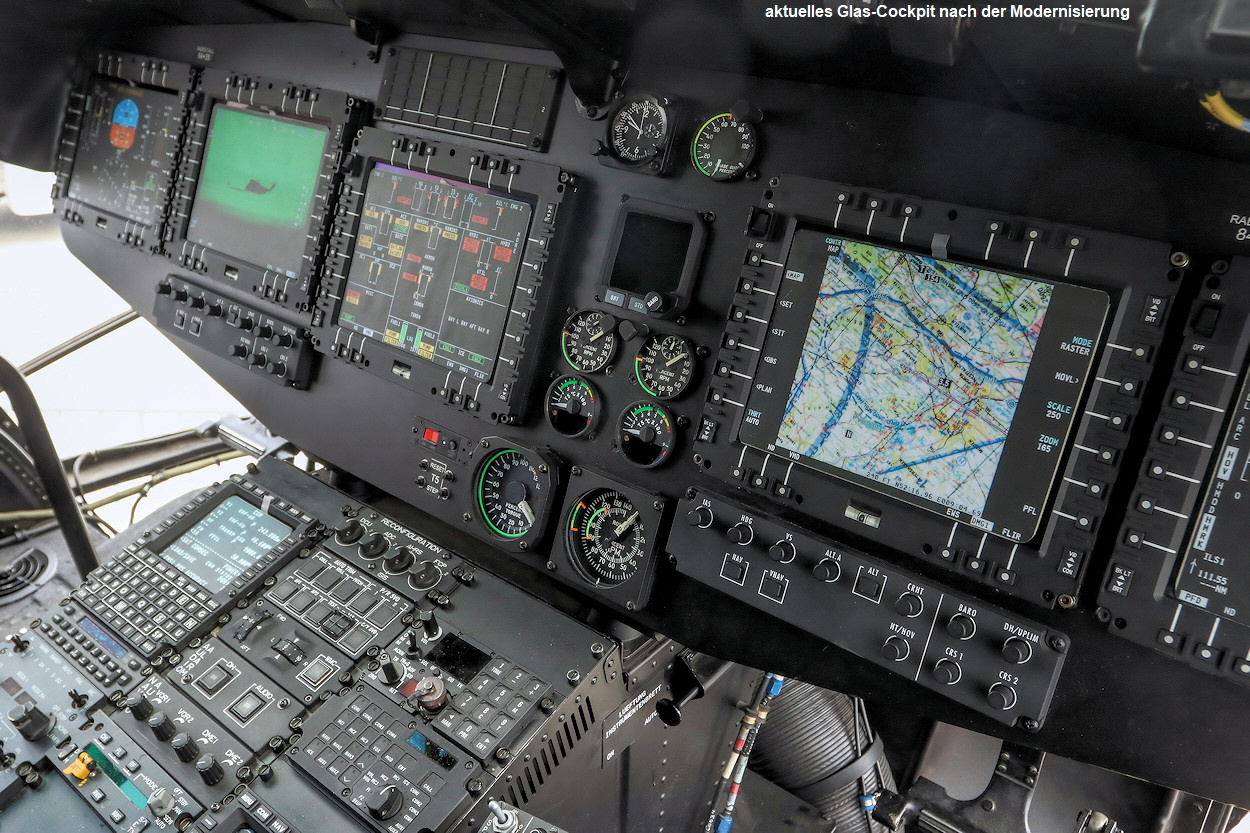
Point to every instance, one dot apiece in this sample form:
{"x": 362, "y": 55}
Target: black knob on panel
{"x": 384, "y": 802}
{"x": 140, "y": 706}
{"x": 827, "y": 570}
{"x": 428, "y": 623}
{"x": 198, "y": 302}
{"x": 391, "y": 672}
{"x": 947, "y": 671}
{"x": 213, "y": 310}
{"x": 264, "y": 330}
{"x": 164, "y": 288}
{"x": 276, "y": 369}
{"x": 1017, "y": 650}
{"x": 185, "y": 747}
{"x": 400, "y": 561}
{"x": 180, "y": 294}
{"x": 349, "y": 531}
{"x": 783, "y": 551}
{"x": 209, "y": 770}
{"x": 1001, "y": 696}
{"x": 246, "y": 323}
{"x": 700, "y": 516}
{"x": 374, "y": 545}
{"x": 740, "y": 534}
{"x": 30, "y": 721}
{"x": 909, "y": 605}
{"x": 283, "y": 340}
{"x": 961, "y": 626}
{"x": 895, "y": 649}
{"x": 257, "y": 360}
{"x": 238, "y": 351}
{"x": 161, "y": 726}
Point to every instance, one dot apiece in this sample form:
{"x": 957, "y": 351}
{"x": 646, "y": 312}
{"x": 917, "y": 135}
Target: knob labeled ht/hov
{"x": 827, "y": 570}
{"x": 895, "y": 648}
{"x": 947, "y": 671}
{"x": 1017, "y": 650}
{"x": 961, "y": 626}
{"x": 1001, "y": 696}
{"x": 740, "y": 534}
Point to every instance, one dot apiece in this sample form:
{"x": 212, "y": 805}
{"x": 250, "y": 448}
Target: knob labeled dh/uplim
{"x": 1001, "y": 696}
{"x": 161, "y": 726}
{"x": 740, "y": 534}
{"x": 700, "y": 516}
{"x": 185, "y": 747}
{"x": 783, "y": 551}
{"x": 1017, "y": 651}
{"x": 140, "y": 706}
{"x": 374, "y": 546}
{"x": 349, "y": 531}
{"x": 909, "y": 605}
{"x": 961, "y": 626}
{"x": 895, "y": 649}
{"x": 384, "y": 802}
{"x": 827, "y": 570}
{"x": 209, "y": 770}
{"x": 947, "y": 671}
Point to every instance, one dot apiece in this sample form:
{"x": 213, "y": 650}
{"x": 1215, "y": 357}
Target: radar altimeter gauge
{"x": 606, "y": 537}
{"x": 645, "y": 434}
{"x": 664, "y": 365}
{"x": 512, "y": 490}
{"x": 572, "y": 406}
{"x": 725, "y": 144}
{"x": 589, "y": 340}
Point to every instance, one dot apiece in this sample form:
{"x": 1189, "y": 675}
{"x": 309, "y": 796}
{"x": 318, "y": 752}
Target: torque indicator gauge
{"x": 645, "y": 434}
{"x": 723, "y": 146}
{"x": 589, "y": 340}
{"x": 665, "y": 365}
{"x": 512, "y": 489}
{"x": 572, "y": 406}
{"x": 606, "y": 537}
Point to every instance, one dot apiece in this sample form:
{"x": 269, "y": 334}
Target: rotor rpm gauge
{"x": 640, "y": 130}
{"x": 645, "y": 434}
{"x": 572, "y": 406}
{"x": 589, "y": 340}
{"x": 606, "y": 538}
{"x": 665, "y": 365}
{"x": 512, "y": 489}
{"x": 723, "y": 147}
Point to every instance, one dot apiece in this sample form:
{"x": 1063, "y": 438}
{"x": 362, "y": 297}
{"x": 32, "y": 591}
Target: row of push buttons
{"x": 483, "y": 712}
{"x": 80, "y": 648}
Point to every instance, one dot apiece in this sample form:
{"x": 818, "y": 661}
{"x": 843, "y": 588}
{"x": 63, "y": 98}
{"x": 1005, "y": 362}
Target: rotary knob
{"x": 783, "y": 551}
{"x": 947, "y": 671}
{"x": 391, "y": 672}
{"x": 209, "y": 770}
{"x": 140, "y": 706}
{"x": 185, "y": 747}
{"x": 895, "y": 649}
{"x": 961, "y": 626}
{"x": 1001, "y": 696}
{"x": 431, "y": 693}
{"x": 265, "y": 330}
{"x": 374, "y": 545}
{"x": 384, "y": 802}
{"x": 277, "y": 368}
{"x": 827, "y": 570}
{"x": 1017, "y": 651}
{"x": 30, "y": 721}
{"x": 400, "y": 561}
{"x": 700, "y": 516}
{"x": 349, "y": 531}
{"x": 909, "y": 605}
{"x": 161, "y": 726}
{"x": 740, "y": 534}
{"x": 238, "y": 351}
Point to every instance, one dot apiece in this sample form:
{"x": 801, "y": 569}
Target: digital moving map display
{"x": 256, "y": 187}
{"x": 434, "y": 268}
{"x": 948, "y": 386}
{"x": 125, "y": 149}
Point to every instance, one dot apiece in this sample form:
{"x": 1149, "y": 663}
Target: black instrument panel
{"x": 672, "y": 318}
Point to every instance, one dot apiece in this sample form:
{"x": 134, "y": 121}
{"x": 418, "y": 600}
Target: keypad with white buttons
{"x": 101, "y": 656}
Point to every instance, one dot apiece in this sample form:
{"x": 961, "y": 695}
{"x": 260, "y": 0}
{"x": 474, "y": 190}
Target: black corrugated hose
{"x": 818, "y": 745}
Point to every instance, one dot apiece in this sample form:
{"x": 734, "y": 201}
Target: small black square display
{"x": 458, "y": 658}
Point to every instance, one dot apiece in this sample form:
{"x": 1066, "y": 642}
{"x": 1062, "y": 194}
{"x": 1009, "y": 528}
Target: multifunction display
{"x": 228, "y": 540}
{"x": 126, "y": 149}
{"x": 256, "y": 189}
{"x": 434, "y": 269}
{"x": 945, "y": 385}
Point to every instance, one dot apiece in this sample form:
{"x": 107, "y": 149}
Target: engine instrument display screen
{"x": 126, "y": 148}
{"x": 225, "y": 542}
{"x": 948, "y": 386}
{"x": 256, "y": 187}
{"x": 435, "y": 266}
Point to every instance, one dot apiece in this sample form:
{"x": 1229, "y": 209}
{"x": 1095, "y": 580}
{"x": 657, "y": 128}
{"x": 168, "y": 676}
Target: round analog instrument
{"x": 723, "y": 147}
{"x": 572, "y": 406}
{"x": 512, "y": 492}
{"x": 665, "y": 365}
{"x": 589, "y": 340}
{"x": 645, "y": 434}
{"x": 639, "y": 130}
{"x": 606, "y": 538}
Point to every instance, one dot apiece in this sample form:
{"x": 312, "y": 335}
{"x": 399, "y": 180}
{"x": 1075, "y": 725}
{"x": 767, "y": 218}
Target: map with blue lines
{"x": 911, "y": 371}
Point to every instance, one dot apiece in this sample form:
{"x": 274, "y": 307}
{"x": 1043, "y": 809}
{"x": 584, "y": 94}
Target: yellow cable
{"x": 1216, "y": 105}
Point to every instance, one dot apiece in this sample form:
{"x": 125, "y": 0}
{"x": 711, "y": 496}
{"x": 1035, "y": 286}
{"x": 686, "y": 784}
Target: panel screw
{"x": 1058, "y": 643}
{"x": 574, "y": 676}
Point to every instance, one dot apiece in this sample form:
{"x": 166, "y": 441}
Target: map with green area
{"x": 911, "y": 371}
